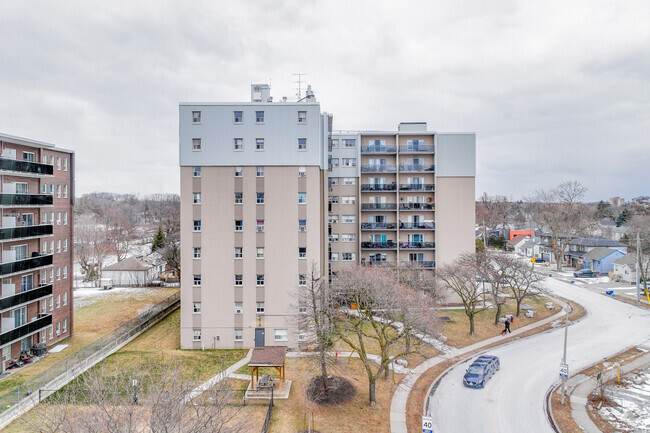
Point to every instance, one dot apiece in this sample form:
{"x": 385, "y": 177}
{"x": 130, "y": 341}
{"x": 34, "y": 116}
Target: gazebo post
{"x": 252, "y": 381}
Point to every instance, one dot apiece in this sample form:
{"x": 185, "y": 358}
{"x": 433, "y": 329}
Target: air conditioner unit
{"x": 302, "y": 228}
{"x": 260, "y": 228}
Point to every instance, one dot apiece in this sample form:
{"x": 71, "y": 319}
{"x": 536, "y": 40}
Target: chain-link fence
{"x": 67, "y": 369}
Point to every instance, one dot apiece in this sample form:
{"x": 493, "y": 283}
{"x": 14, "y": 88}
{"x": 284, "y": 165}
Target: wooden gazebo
{"x": 267, "y": 356}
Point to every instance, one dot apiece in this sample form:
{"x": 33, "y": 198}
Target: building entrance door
{"x": 259, "y": 337}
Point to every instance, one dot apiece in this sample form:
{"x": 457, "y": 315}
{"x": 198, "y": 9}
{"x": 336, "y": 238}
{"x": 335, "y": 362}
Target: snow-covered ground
{"x": 84, "y": 296}
{"x": 630, "y": 411}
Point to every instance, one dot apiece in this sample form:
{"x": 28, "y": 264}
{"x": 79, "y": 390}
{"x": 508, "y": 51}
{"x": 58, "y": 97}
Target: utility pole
{"x": 638, "y": 268}
{"x": 564, "y": 368}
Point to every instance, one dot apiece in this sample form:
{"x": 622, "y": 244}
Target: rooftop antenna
{"x": 299, "y": 82}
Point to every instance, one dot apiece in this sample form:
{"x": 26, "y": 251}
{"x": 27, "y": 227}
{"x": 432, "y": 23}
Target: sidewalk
{"x": 400, "y": 398}
{"x": 230, "y": 371}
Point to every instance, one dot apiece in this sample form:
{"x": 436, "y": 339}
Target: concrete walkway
{"x": 580, "y": 395}
{"x": 218, "y": 378}
{"x": 400, "y": 397}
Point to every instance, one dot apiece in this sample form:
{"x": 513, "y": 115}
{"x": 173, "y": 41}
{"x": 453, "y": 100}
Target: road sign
{"x": 533, "y": 260}
{"x": 564, "y": 370}
{"x": 427, "y": 424}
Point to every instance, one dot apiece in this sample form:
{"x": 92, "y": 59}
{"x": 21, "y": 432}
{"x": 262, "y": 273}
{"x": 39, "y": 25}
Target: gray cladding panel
{"x": 456, "y": 155}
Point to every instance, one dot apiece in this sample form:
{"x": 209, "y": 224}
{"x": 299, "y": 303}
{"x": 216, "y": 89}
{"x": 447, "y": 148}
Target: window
{"x": 302, "y": 225}
{"x": 196, "y": 307}
{"x": 259, "y": 144}
{"x": 28, "y": 156}
{"x": 239, "y": 197}
{"x": 302, "y": 306}
{"x": 239, "y": 280}
{"x": 58, "y": 328}
{"x": 302, "y": 144}
{"x": 302, "y": 252}
{"x": 239, "y": 335}
{"x": 196, "y": 144}
{"x": 65, "y": 164}
{"x": 349, "y": 162}
{"x": 44, "y": 188}
{"x": 239, "y": 307}
{"x": 58, "y": 301}
{"x": 65, "y": 298}
{"x": 44, "y": 159}
{"x": 335, "y": 143}
{"x": 302, "y": 280}
{"x": 260, "y": 253}
{"x": 239, "y": 117}
{"x": 196, "y": 335}
{"x": 239, "y": 225}
{"x": 58, "y": 246}
{"x": 21, "y": 251}
{"x": 51, "y": 216}
{"x": 65, "y": 245}
{"x": 334, "y": 237}
{"x": 302, "y": 171}
{"x": 260, "y": 307}
{"x": 51, "y": 280}
{"x": 65, "y": 218}
{"x": 348, "y": 257}
{"x": 302, "y": 117}
{"x": 51, "y": 247}
{"x": 349, "y": 142}
{"x": 333, "y": 181}
{"x": 58, "y": 276}
{"x": 239, "y": 171}
{"x": 58, "y": 218}
{"x": 334, "y": 257}
{"x": 281, "y": 335}
{"x": 334, "y": 199}
{"x": 259, "y": 281}
{"x": 51, "y": 189}
{"x": 196, "y": 198}
{"x": 44, "y": 247}
{"x": 27, "y": 283}
{"x": 348, "y": 199}
{"x": 65, "y": 325}
{"x": 302, "y": 198}
{"x": 348, "y": 237}
{"x": 260, "y": 225}
{"x": 239, "y": 252}
{"x": 239, "y": 144}
{"x": 23, "y": 188}
{"x": 196, "y": 117}
{"x": 196, "y": 172}
{"x": 334, "y": 162}
{"x": 333, "y": 219}
{"x": 196, "y": 282}
{"x": 65, "y": 191}
{"x": 302, "y": 335}
{"x": 58, "y": 163}
{"x": 349, "y": 218}
{"x": 259, "y": 172}
{"x": 51, "y": 160}
{"x": 197, "y": 253}
{"x": 51, "y": 332}
{"x": 197, "y": 225}
{"x": 349, "y": 181}
{"x": 259, "y": 117}
{"x": 52, "y": 303}
{"x": 260, "y": 198}
{"x": 58, "y": 191}
{"x": 44, "y": 218}
{"x": 65, "y": 272}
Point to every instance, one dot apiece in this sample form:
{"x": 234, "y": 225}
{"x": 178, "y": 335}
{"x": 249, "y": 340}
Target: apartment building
{"x": 37, "y": 195}
{"x": 268, "y": 190}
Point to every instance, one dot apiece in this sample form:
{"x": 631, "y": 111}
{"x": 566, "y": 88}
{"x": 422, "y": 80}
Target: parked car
{"x": 481, "y": 370}
{"x": 586, "y": 273}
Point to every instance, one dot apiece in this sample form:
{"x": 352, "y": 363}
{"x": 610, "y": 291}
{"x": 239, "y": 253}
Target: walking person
{"x": 507, "y": 328}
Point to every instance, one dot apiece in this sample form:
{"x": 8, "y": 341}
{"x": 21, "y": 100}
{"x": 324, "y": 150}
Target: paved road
{"x": 512, "y": 402}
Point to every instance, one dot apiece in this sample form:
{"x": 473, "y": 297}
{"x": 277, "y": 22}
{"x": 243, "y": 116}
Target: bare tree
{"x": 92, "y": 246}
{"x": 639, "y": 225}
{"x": 497, "y": 211}
{"x": 524, "y": 282}
{"x": 494, "y": 269}
{"x": 460, "y": 278}
{"x": 560, "y": 212}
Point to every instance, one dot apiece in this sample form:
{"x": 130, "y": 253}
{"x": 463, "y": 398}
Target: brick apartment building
{"x": 268, "y": 189}
{"x": 37, "y": 195}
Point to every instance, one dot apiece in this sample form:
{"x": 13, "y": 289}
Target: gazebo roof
{"x": 268, "y": 356}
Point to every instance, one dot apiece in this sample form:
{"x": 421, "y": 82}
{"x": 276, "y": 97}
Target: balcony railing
{"x": 378, "y": 149}
{"x": 43, "y": 321}
{"x": 26, "y": 167}
{"x": 378, "y": 226}
{"x": 24, "y": 297}
{"x": 388, "y": 245}
{"x": 405, "y": 148}
{"x": 26, "y": 199}
{"x": 429, "y": 264}
{"x": 379, "y": 168}
{"x": 417, "y": 187}
{"x": 25, "y": 232}
{"x": 416, "y": 167}
{"x": 378, "y": 206}
{"x": 426, "y": 225}
{"x": 418, "y": 245}
{"x": 25, "y": 265}
{"x": 378, "y": 263}
{"x": 378, "y": 187}
{"x": 417, "y": 206}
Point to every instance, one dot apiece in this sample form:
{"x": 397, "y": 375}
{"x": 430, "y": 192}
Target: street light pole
{"x": 638, "y": 268}
{"x": 566, "y": 330}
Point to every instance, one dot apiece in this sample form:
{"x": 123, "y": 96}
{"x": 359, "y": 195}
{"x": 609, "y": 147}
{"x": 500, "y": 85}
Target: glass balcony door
{"x": 27, "y": 283}
{"x": 20, "y": 316}
{"x": 28, "y": 219}
{"x": 416, "y": 237}
{"x": 416, "y": 257}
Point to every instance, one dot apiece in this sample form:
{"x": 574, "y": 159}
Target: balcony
{"x": 424, "y": 225}
{"x": 388, "y": 245}
{"x": 24, "y": 232}
{"x": 379, "y": 263}
{"x": 379, "y": 168}
{"x": 12, "y": 166}
{"x": 378, "y": 187}
{"x": 417, "y": 245}
{"x": 378, "y": 149}
{"x": 417, "y": 168}
{"x": 378, "y": 206}
{"x": 15, "y": 334}
{"x": 417, "y": 187}
{"x": 429, "y": 264}
{"x": 378, "y": 226}
{"x": 417, "y": 206}
{"x": 422, "y": 148}
{"x": 25, "y": 297}
{"x": 24, "y": 265}
{"x": 24, "y": 200}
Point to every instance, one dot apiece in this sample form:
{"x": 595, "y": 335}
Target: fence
{"x": 267, "y": 420}
{"x": 20, "y": 400}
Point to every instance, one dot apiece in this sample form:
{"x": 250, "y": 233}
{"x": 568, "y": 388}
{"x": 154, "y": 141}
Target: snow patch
{"x": 629, "y": 411}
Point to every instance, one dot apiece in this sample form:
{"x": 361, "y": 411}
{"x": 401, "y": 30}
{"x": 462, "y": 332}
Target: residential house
{"x": 131, "y": 272}
{"x": 579, "y": 247}
{"x": 625, "y": 269}
{"x": 601, "y": 259}
{"x": 516, "y": 244}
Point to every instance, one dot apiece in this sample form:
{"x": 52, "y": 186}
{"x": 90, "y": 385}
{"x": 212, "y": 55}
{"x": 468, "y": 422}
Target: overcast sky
{"x": 554, "y": 90}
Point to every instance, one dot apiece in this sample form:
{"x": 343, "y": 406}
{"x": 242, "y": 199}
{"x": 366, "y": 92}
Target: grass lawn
{"x": 90, "y": 323}
{"x": 457, "y": 332}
